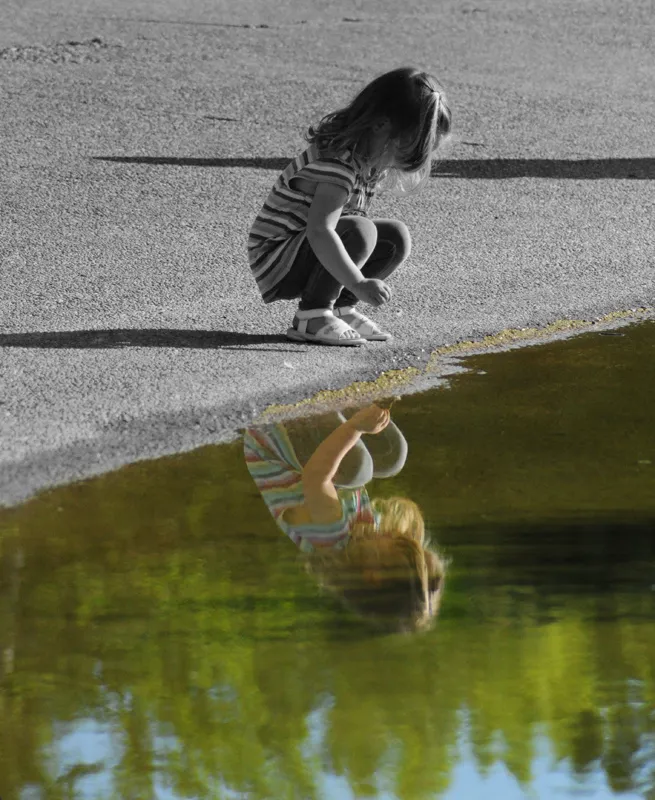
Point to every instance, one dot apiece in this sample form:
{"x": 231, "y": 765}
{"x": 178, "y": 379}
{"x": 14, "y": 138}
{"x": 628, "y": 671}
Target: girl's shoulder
{"x": 339, "y": 168}
{"x": 310, "y": 536}
{"x": 345, "y": 157}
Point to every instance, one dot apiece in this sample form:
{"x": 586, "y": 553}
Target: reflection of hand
{"x": 370, "y": 420}
{"x": 386, "y": 402}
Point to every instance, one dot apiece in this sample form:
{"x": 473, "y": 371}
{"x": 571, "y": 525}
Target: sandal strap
{"x": 361, "y": 323}
{"x": 313, "y": 313}
{"x": 334, "y": 327}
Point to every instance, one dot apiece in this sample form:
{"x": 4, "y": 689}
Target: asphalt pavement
{"x": 140, "y": 138}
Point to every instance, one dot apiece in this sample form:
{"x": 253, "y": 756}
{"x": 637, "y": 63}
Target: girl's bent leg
{"x": 392, "y": 247}
{"x": 359, "y": 237}
{"x": 356, "y": 468}
{"x": 388, "y": 450}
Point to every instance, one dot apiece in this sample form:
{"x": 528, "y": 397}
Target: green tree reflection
{"x": 161, "y": 603}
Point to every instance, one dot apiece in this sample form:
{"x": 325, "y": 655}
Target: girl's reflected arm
{"x": 321, "y": 500}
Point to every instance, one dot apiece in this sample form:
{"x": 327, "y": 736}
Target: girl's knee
{"x": 359, "y": 236}
{"x": 397, "y": 234}
{"x": 389, "y": 452}
{"x": 403, "y": 238}
{"x": 356, "y": 468}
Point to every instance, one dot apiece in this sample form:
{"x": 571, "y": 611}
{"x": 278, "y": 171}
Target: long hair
{"x": 403, "y": 597}
{"x": 416, "y": 107}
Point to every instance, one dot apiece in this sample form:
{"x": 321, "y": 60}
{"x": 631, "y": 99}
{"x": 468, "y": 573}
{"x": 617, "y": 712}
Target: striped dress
{"x": 274, "y": 466}
{"x": 280, "y": 226}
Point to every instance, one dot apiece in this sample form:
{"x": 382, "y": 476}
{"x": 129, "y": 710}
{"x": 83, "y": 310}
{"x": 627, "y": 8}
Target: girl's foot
{"x": 360, "y": 323}
{"x": 320, "y": 325}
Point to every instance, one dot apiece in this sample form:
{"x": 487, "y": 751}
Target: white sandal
{"x": 364, "y": 326}
{"x": 333, "y": 332}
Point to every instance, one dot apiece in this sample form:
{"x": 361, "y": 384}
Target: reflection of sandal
{"x": 333, "y": 332}
{"x": 364, "y": 326}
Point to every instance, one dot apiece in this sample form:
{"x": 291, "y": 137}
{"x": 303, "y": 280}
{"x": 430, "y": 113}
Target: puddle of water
{"x": 161, "y": 638}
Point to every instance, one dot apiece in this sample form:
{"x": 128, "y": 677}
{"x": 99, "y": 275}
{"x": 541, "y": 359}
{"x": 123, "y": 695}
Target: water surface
{"x": 161, "y": 639}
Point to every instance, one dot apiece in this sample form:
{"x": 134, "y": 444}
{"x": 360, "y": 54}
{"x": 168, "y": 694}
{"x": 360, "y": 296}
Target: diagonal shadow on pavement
{"x": 149, "y": 337}
{"x": 473, "y": 168}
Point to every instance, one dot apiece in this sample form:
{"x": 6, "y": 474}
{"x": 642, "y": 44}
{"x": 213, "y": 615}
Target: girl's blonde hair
{"x": 414, "y": 103}
{"x": 407, "y": 597}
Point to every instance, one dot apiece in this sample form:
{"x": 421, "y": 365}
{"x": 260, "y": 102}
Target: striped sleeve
{"x": 330, "y": 170}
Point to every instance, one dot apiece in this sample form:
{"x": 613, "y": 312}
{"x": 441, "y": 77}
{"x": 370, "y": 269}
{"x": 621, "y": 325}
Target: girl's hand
{"x": 372, "y": 291}
{"x": 370, "y": 420}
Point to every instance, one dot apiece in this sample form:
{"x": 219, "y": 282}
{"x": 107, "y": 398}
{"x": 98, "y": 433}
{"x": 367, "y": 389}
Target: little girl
{"x": 373, "y": 556}
{"x": 313, "y": 238}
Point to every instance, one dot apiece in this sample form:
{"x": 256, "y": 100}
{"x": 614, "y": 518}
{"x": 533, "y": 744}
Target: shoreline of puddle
{"x": 447, "y": 360}
{"x": 90, "y": 459}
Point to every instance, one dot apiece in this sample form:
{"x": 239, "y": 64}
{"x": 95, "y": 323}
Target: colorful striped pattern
{"x": 274, "y": 467}
{"x": 279, "y": 228}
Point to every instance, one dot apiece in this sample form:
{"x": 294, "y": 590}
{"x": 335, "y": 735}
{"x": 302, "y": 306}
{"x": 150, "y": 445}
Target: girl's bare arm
{"x": 321, "y": 499}
{"x": 325, "y": 460}
{"x": 324, "y": 213}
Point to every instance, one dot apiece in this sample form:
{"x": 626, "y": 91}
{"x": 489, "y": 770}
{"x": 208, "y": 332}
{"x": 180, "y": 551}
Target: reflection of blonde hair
{"x": 403, "y": 597}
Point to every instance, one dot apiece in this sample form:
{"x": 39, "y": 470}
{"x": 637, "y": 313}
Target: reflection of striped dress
{"x": 279, "y": 228}
{"x": 277, "y": 473}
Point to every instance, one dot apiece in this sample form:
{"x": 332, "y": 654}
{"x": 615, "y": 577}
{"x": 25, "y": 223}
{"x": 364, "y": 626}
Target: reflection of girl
{"x": 373, "y": 555}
